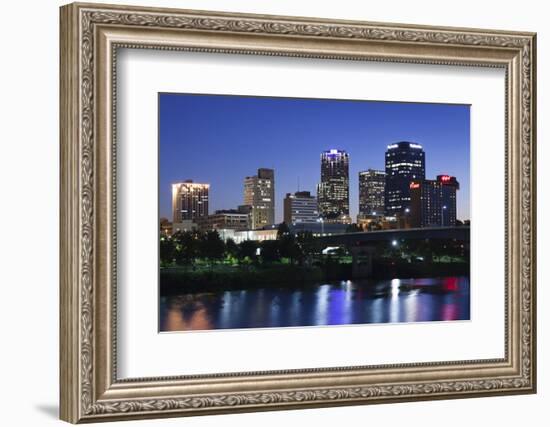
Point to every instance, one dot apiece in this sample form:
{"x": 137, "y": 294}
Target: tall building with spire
{"x": 333, "y": 190}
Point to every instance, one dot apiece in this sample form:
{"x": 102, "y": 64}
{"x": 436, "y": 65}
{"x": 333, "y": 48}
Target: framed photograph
{"x": 265, "y": 212}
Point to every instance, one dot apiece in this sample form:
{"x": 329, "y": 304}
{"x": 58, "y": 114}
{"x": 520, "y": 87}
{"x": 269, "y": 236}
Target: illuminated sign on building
{"x": 448, "y": 180}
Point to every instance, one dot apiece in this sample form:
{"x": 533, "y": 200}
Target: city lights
{"x": 307, "y": 225}
{"x": 399, "y": 197}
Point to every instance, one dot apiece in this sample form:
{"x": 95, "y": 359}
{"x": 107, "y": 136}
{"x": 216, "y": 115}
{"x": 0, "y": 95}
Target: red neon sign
{"x": 445, "y": 178}
{"x": 414, "y": 185}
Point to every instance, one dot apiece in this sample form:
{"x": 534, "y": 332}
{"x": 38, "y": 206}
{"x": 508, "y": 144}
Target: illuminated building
{"x": 225, "y": 219}
{"x": 333, "y": 190}
{"x": 300, "y": 207}
{"x": 185, "y": 225}
{"x": 259, "y": 195}
{"x": 379, "y": 222}
{"x": 372, "y": 184}
{"x": 165, "y": 227}
{"x": 370, "y": 222}
{"x": 239, "y": 236}
{"x": 405, "y": 162}
{"x": 189, "y": 201}
{"x": 433, "y": 202}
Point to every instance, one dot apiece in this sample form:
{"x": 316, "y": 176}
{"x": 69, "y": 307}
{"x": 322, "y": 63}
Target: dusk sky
{"x": 221, "y": 139}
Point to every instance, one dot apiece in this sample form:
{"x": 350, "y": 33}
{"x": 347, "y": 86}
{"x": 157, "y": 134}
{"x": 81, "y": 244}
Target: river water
{"x": 342, "y": 303}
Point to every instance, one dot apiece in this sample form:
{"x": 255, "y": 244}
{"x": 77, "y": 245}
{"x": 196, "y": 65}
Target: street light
{"x": 322, "y": 226}
{"x": 394, "y": 242}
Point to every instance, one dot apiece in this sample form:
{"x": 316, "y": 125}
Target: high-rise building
{"x": 333, "y": 190}
{"x": 372, "y": 184}
{"x": 433, "y": 202}
{"x": 405, "y": 162}
{"x": 259, "y": 195}
{"x": 300, "y": 207}
{"x": 189, "y": 201}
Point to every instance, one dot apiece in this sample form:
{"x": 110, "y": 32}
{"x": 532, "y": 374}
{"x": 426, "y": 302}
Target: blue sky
{"x": 221, "y": 139}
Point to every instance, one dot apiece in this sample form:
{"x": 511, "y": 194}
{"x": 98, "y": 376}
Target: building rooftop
{"x": 404, "y": 144}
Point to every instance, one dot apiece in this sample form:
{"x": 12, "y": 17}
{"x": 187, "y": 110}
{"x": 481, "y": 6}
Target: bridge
{"x": 362, "y": 245}
{"x": 366, "y": 237}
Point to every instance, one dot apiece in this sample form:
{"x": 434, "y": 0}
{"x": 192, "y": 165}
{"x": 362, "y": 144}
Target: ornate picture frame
{"x": 90, "y": 37}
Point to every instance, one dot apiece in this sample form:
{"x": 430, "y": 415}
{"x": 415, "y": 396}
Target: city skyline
{"x": 234, "y": 136}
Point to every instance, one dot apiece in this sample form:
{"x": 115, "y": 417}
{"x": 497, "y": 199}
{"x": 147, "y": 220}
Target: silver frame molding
{"x": 90, "y": 37}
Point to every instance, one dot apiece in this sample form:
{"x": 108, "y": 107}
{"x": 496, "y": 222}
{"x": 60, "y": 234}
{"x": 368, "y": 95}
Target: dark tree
{"x": 187, "y": 247}
{"x": 353, "y": 228}
{"x": 289, "y": 248}
{"x": 282, "y": 230}
{"x": 309, "y": 246}
{"x": 231, "y": 248}
{"x": 248, "y": 250}
{"x": 439, "y": 248}
{"x": 212, "y": 246}
{"x": 308, "y": 243}
{"x": 167, "y": 250}
{"x": 270, "y": 251}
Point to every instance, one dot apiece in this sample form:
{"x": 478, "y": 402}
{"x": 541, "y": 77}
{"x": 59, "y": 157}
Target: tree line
{"x": 185, "y": 248}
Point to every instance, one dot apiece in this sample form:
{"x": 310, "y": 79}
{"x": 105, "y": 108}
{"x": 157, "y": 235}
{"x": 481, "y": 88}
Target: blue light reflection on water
{"x": 344, "y": 303}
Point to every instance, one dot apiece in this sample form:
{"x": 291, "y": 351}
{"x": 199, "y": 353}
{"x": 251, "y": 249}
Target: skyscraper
{"x": 372, "y": 184}
{"x": 405, "y": 162}
{"x": 259, "y": 195}
{"x": 300, "y": 208}
{"x": 189, "y": 200}
{"x": 433, "y": 202}
{"x": 333, "y": 190}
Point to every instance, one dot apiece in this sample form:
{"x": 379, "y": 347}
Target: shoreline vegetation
{"x": 195, "y": 262}
{"x": 177, "y": 280}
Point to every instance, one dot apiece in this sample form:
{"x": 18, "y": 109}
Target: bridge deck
{"x": 458, "y": 233}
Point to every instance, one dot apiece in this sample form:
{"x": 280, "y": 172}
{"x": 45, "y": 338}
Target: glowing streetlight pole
{"x": 322, "y": 226}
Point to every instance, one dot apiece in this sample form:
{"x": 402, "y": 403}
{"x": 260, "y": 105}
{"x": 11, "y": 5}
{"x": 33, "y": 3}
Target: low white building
{"x": 241, "y": 236}
{"x": 185, "y": 225}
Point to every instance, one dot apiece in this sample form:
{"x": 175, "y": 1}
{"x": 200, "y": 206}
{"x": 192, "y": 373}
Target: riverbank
{"x": 185, "y": 280}
{"x": 181, "y": 280}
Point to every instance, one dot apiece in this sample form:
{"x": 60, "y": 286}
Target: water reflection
{"x": 343, "y": 303}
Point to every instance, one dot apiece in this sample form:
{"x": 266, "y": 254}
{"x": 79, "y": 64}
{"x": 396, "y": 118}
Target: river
{"x": 342, "y": 303}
